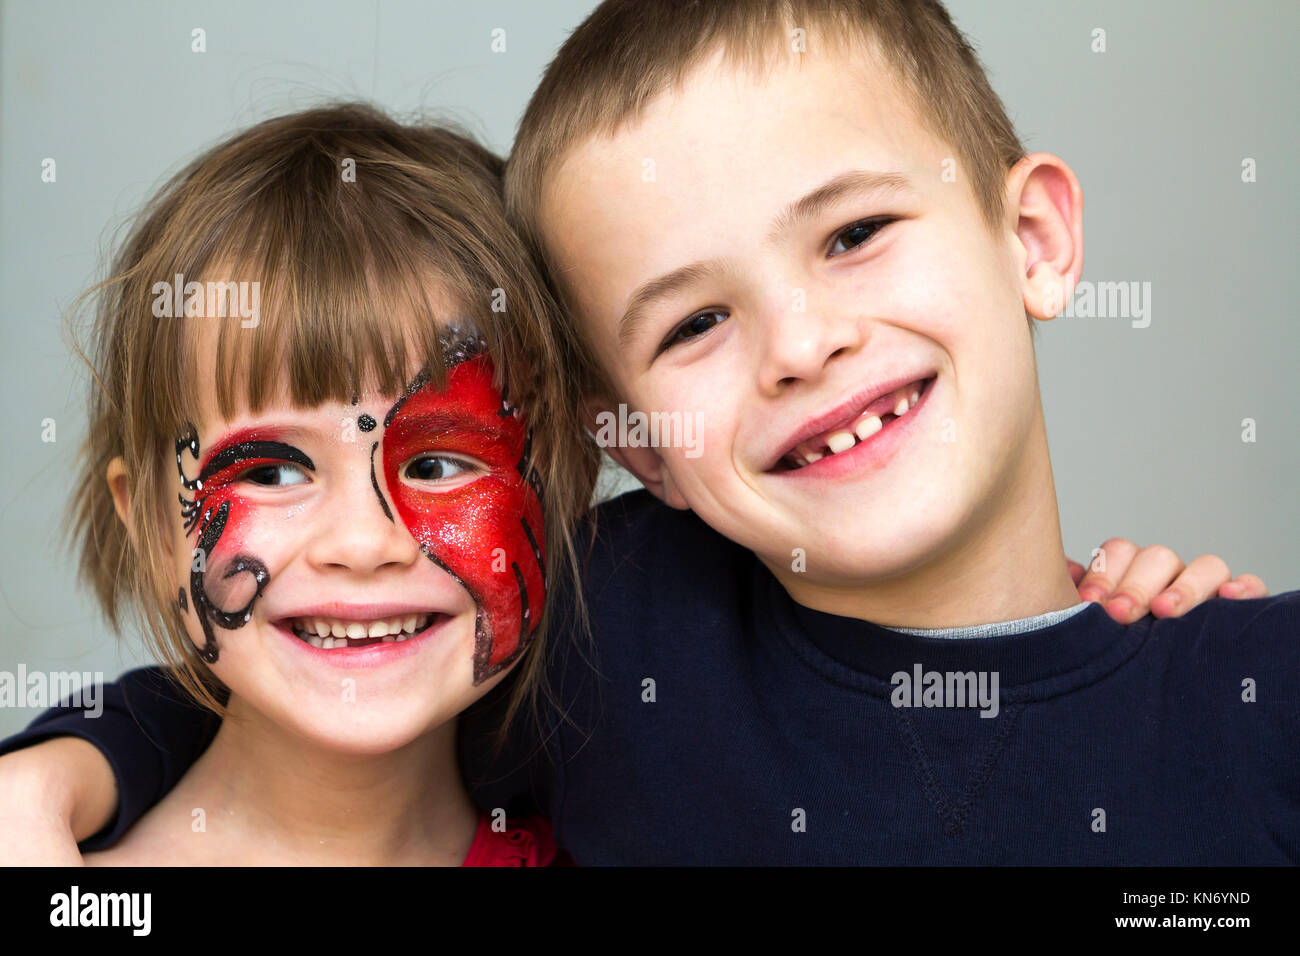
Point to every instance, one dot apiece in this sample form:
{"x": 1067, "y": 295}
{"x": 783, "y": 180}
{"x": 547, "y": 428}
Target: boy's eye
{"x": 437, "y": 468}
{"x": 279, "y": 474}
{"x": 694, "y": 327}
{"x": 848, "y": 239}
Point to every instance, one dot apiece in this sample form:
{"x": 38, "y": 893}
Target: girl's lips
{"x": 371, "y": 654}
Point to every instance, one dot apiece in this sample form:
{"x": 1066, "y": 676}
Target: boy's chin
{"x": 875, "y": 544}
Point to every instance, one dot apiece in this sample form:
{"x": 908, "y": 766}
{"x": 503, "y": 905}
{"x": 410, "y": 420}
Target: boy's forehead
{"x": 709, "y": 162}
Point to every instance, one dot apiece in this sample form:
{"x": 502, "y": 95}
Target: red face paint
{"x": 217, "y": 511}
{"x": 489, "y": 533}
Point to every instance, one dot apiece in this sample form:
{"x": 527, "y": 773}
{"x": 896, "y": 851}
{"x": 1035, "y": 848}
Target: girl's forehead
{"x": 254, "y": 389}
{"x": 372, "y": 405}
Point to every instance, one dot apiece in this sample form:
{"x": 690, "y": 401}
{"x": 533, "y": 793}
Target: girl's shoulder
{"x": 522, "y": 841}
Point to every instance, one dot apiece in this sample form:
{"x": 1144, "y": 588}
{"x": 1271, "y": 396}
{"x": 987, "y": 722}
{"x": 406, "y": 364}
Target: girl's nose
{"x": 357, "y": 530}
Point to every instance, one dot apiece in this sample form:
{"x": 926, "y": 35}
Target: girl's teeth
{"x": 901, "y": 408}
{"x": 840, "y": 441}
{"x": 328, "y": 635}
{"x": 867, "y": 427}
{"x": 813, "y": 456}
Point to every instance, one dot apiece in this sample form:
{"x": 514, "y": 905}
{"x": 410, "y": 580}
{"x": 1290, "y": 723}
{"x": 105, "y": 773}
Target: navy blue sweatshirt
{"x": 711, "y": 719}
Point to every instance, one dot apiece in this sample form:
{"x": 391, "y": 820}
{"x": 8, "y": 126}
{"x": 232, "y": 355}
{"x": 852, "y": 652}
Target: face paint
{"x": 215, "y": 513}
{"x": 487, "y": 534}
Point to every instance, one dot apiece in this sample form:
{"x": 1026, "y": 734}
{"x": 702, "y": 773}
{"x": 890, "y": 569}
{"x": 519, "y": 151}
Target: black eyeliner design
{"x": 374, "y": 482}
{"x": 193, "y": 513}
{"x": 253, "y": 449}
{"x": 366, "y": 422}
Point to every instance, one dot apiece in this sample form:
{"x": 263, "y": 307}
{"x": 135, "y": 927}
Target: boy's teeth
{"x": 867, "y": 427}
{"x": 840, "y": 441}
{"x": 863, "y": 429}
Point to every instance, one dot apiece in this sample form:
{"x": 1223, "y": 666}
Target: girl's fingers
{"x": 1244, "y": 586}
{"x": 1151, "y": 571}
{"x": 1106, "y": 569}
{"x": 1200, "y": 581}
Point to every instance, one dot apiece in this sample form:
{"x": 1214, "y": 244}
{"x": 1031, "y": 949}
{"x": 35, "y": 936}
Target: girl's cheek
{"x": 227, "y": 564}
{"x": 488, "y": 535}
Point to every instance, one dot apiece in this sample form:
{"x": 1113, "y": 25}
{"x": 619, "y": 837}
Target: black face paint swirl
{"x": 215, "y": 510}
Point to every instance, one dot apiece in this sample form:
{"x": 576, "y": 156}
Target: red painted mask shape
{"x": 488, "y": 533}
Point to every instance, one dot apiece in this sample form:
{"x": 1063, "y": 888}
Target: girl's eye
{"x": 694, "y": 327}
{"x": 279, "y": 474}
{"x": 846, "y": 240}
{"x": 437, "y": 468}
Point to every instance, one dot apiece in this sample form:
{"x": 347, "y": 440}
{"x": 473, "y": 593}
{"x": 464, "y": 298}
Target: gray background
{"x": 1145, "y": 423}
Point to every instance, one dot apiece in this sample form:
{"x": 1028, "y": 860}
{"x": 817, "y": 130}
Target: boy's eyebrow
{"x": 833, "y": 190}
{"x": 658, "y": 288}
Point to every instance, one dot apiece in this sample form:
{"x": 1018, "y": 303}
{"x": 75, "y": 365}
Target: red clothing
{"x": 524, "y": 842}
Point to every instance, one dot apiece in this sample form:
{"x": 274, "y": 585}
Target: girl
{"x": 322, "y": 492}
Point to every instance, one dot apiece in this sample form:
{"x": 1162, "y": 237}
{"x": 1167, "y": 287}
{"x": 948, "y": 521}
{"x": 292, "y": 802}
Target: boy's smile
{"x": 784, "y": 256}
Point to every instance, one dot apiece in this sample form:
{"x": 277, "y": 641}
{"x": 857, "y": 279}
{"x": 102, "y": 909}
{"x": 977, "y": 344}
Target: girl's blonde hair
{"x": 352, "y": 224}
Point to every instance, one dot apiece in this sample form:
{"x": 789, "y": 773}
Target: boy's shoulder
{"x": 637, "y": 534}
{"x": 1243, "y": 625}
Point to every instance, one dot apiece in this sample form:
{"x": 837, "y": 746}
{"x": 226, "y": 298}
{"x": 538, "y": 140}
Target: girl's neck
{"x": 275, "y": 797}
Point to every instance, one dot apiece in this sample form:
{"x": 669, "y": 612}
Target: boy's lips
{"x": 850, "y": 422}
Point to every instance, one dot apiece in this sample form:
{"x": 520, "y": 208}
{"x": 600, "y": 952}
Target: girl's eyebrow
{"x": 259, "y": 441}
{"x": 443, "y": 422}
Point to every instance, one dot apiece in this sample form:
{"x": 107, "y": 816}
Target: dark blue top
{"x": 711, "y": 719}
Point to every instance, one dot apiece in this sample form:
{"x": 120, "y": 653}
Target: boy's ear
{"x": 643, "y": 462}
{"x": 1046, "y": 201}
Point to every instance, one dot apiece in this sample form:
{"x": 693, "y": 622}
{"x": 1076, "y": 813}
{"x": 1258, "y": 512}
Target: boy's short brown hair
{"x": 629, "y": 51}
{"x": 351, "y": 223}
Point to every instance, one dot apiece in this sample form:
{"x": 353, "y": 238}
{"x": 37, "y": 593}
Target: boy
{"x": 850, "y": 638}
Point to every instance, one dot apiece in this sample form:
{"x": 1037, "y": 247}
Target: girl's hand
{"x": 1130, "y": 582}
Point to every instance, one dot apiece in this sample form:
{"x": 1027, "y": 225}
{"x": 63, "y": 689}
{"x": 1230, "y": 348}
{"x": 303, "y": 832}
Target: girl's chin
{"x": 351, "y": 729}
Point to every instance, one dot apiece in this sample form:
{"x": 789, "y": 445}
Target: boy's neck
{"x": 1009, "y": 564}
{"x": 290, "y": 801}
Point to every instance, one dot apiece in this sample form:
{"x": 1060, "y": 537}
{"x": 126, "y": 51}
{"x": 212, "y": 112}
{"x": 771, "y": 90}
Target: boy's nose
{"x": 798, "y": 340}
{"x": 356, "y": 532}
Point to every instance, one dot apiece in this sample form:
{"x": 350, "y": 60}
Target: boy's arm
{"x": 87, "y": 773}
{"x": 1131, "y": 582}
